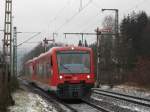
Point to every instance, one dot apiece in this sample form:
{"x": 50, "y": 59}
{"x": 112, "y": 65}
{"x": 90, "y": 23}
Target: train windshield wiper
{"x": 66, "y": 68}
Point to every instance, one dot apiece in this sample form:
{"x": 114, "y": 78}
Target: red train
{"x": 68, "y": 71}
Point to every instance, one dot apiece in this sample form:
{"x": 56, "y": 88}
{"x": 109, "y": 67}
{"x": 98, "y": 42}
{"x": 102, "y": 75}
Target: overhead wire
{"x": 72, "y": 17}
{"x": 29, "y": 39}
{"x": 97, "y": 6}
{"x": 32, "y": 42}
{"x": 92, "y": 18}
{"x": 58, "y": 14}
{"x": 88, "y": 25}
{"x": 137, "y": 5}
{"x": 26, "y": 32}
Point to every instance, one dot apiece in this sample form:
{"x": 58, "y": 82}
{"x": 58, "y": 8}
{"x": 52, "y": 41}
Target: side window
{"x": 49, "y": 66}
{"x": 26, "y": 70}
{"x": 40, "y": 69}
{"x": 44, "y": 70}
{"x": 43, "y": 73}
{"x": 30, "y": 70}
{"x": 37, "y": 69}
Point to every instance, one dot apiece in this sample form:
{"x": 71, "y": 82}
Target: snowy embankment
{"x": 29, "y": 102}
{"x": 130, "y": 90}
{"x": 134, "y": 91}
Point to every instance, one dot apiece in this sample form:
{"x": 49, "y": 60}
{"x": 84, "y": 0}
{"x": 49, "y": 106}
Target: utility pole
{"x": 81, "y": 3}
{"x": 98, "y": 32}
{"x": 7, "y": 43}
{"x": 54, "y": 36}
{"x": 15, "y": 51}
{"x": 5, "y": 91}
{"x": 116, "y": 47}
{"x": 46, "y": 43}
{"x": 82, "y": 35}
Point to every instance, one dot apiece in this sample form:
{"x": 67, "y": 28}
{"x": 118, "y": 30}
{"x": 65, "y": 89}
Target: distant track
{"x": 125, "y": 97}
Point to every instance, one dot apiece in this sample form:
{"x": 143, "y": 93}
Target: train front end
{"x": 75, "y": 72}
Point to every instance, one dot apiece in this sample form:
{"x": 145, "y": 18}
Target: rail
{"x": 129, "y": 98}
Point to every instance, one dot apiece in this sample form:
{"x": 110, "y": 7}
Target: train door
{"x": 50, "y": 69}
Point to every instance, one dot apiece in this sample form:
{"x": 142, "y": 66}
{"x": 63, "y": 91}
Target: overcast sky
{"x": 48, "y": 16}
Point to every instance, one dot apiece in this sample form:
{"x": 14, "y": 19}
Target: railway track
{"x": 96, "y": 106}
{"x": 125, "y": 97}
{"x": 62, "y": 106}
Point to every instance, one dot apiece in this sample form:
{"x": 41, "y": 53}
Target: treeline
{"x": 135, "y": 29}
{"x": 125, "y": 59}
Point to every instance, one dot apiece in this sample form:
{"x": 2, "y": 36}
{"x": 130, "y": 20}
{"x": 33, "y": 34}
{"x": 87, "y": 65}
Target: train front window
{"x": 73, "y": 62}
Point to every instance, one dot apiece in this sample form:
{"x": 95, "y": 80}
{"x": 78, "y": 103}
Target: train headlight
{"x": 72, "y": 48}
{"x": 60, "y": 77}
{"x": 88, "y": 76}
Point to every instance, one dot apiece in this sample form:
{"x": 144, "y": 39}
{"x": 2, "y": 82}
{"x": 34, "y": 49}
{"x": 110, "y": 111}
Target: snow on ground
{"x": 84, "y": 108}
{"x": 131, "y": 90}
{"x": 134, "y": 108}
{"x": 135, "y": 91}
{"x": 29, "y": 102}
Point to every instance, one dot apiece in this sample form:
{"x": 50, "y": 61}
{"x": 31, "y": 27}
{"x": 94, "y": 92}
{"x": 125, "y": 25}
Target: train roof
{"x": 69, "y": 48}
{"x": 54, "y": 49}
{"x": 29, "y": 61}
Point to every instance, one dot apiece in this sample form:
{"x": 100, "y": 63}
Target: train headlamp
{"x": 88, "y": 76}
{"x": 60, "y": 76}
{"x": 72, "y": 48}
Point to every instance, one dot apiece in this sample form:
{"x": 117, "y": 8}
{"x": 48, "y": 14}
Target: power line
{"x": 57, "y": 15}
{"x": 32, "y": 42}
{"x": 59, "y": 12}
{"x": 137, "y": 5}
{"x": 82, "y": 34}
{"x": 27, "y": 32}
{"x": 72, "y": 17}
{"x": 29, "y": 39}
{"x": 96, "y": 5}
{"x": 134, "y": 7}
{"x": 89, "y": 23}
{"x": 92, "y": 18}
